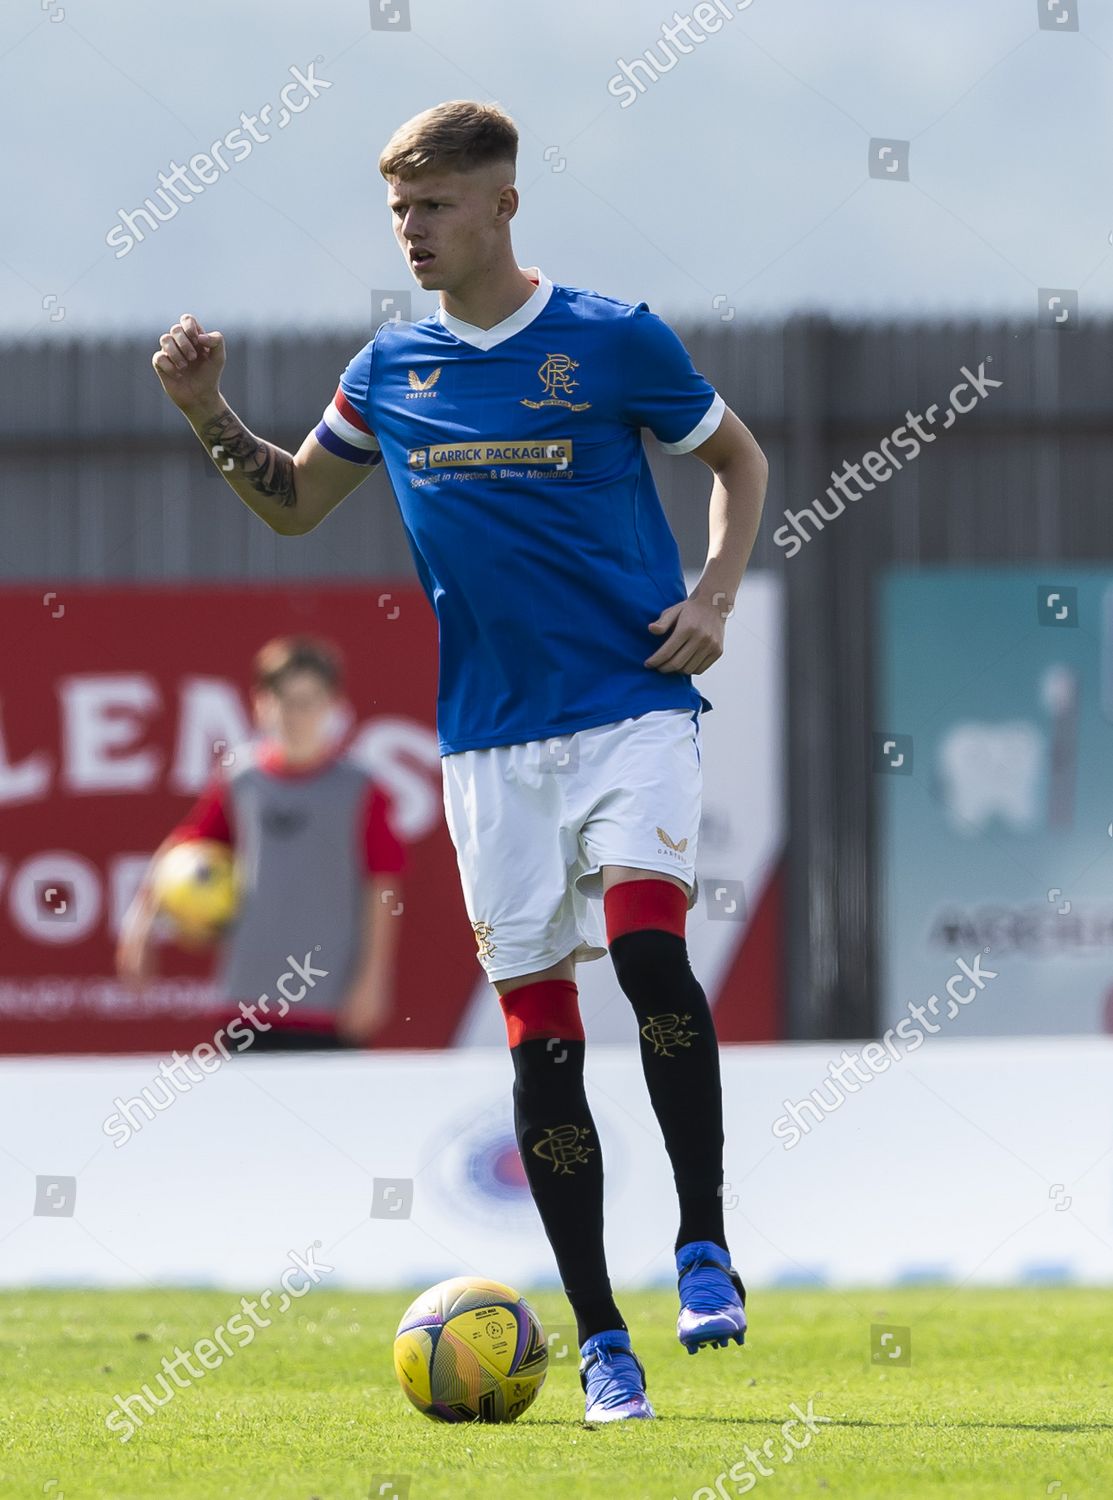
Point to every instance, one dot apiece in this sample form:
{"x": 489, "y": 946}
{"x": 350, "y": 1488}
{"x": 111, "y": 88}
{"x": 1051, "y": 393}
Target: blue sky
{"x": 737, "y": 185}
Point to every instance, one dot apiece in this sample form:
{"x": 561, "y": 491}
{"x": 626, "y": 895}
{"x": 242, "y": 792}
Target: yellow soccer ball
{"x": 195, "y": 885}
{"x": 471, "y": 1350}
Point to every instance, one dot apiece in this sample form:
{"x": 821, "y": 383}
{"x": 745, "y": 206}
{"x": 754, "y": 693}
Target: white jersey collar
{"x": 487, "y": 338}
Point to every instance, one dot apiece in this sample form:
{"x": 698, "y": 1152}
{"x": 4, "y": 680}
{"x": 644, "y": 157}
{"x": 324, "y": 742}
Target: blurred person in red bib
{"x": 308, "y": 962}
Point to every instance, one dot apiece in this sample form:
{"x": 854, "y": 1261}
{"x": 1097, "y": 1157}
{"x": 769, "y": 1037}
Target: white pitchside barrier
{"x": 982, "y": 1159}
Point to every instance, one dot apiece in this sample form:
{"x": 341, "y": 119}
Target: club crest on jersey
{"x": 556, "y": 376}
{"x": 419, "y": 387}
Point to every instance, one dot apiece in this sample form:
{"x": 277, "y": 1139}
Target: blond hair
{"x": 458, "y": 135}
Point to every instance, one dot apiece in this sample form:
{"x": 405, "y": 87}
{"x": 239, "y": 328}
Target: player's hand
{"x": 189, "y": 363}
{"x": 135, "y": 953}
{"x": 694, "y": 630}
{"x": 196, "y": 939}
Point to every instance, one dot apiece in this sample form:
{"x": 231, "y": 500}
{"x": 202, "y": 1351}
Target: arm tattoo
{"x": 266, "y": 468}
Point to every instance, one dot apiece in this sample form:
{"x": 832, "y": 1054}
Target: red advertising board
{"x": 115, "y": 704}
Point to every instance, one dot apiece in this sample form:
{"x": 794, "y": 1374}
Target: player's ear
{"x": 507, "y": 205}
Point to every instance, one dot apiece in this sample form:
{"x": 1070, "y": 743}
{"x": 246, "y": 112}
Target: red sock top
{"x": 546, "y": 1008}
{"x": 634, "y": 905}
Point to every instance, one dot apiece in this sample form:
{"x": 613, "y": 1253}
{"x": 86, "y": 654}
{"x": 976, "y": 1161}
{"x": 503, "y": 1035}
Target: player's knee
{"x": 547, "y": 1011}
{"x": 645, "y": 934}
{"x": 648, "y": 963}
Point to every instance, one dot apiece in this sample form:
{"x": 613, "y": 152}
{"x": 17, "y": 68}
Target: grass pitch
{"x": 1008, "y": 1394}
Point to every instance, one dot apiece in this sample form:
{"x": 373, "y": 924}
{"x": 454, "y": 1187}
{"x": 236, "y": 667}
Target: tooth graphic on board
{"x": 991, "y": 770}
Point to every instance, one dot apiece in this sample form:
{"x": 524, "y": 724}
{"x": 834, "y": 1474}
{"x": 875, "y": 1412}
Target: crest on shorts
{"x": 677, "y": 848}
{"x": 667, "y": 1031}
{"x": 484, "y": 932}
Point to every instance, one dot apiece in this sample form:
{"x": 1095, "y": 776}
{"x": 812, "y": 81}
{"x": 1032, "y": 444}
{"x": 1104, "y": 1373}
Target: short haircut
{"x": 459, "y": 135}
{"x": 287, "y": 654}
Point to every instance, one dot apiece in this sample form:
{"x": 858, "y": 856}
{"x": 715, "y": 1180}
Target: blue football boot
{"x": 613, "y": 1378}
{"x": 712, "y": 1297}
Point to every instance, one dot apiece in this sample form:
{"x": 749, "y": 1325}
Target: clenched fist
{"x": 189, "y": 363}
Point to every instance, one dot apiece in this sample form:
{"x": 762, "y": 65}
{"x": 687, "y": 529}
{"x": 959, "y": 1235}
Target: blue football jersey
{"x": 516, "y": 458}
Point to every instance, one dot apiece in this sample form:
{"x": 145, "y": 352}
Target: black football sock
{"x": 680, "y": 1059}
{"x": 560, "y": 1153}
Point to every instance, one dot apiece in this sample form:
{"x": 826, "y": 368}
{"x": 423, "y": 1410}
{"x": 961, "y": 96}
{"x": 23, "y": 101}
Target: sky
{"x": 735, "y": 184}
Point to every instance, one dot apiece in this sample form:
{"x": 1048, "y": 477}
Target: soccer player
{"x": 510, "y": 423}
{"x": 319, "y": 864}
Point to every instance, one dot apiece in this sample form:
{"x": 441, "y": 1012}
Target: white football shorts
{"x": 534, "y": 823}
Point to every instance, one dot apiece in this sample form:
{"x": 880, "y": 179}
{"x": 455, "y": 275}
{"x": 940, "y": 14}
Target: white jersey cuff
{"x": 703, "y": 429}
